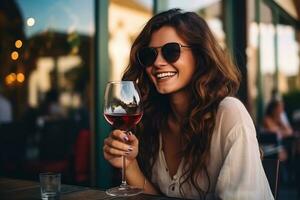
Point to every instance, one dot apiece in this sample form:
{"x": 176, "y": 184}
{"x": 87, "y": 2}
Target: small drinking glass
{"x": 50, "y": 185}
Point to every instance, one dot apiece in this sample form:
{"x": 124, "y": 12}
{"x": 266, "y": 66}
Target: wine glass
{"x": 123, "y": 110}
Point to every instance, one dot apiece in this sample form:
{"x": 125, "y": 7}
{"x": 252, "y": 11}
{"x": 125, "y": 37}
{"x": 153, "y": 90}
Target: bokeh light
{"x": 9, "y": 79}
{"x": 20, "y": 77}
{"x": 30, "y": 21}
{"x": 18, "y": 43}
{"x": 14, "y": 55}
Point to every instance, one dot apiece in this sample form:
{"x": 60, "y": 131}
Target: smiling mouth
{"x": 165, "y": 75}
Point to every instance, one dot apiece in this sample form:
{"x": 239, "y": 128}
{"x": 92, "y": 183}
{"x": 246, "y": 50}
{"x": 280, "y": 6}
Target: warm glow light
{"x": 13, "y": 76}
{"x": 18, "y": 44}
{"x": 14, "y": 55}
{"x": 20, "y": 77}
{"x": 30, "y": 21}
{"x": 9, "y": 79}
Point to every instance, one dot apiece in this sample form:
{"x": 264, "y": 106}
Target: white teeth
{"x": 165, "y": 74}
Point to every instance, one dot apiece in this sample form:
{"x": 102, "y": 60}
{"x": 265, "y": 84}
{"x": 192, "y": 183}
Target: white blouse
{"x": 235, "y": 168}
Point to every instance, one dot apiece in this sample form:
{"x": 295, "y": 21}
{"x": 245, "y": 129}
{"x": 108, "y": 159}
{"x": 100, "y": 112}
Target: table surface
{"x": 15, "y": 189}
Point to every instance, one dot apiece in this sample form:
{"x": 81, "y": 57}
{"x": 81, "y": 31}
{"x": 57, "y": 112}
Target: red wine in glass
{"x": 123, "y": 121}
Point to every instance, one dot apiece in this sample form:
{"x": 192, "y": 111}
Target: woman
{"x": 194, "y": 139}
{"x": 274, "y": 121}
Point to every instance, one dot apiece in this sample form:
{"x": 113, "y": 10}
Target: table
{"x": 15, "y": 189}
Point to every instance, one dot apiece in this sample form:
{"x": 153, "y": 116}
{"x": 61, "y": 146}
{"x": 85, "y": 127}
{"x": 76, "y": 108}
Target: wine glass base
{"x": 124, "y": 191}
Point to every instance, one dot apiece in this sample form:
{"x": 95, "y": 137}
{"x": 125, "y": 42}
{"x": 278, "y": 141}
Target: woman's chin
{"x": 164, "y": 90}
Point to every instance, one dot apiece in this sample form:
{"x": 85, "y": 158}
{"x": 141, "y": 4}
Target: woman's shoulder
{"x": 233, "y": 119}
{"x": 232, "y": 113}
{"x": 232, "y": 105}
{"x": 230, "y": 102}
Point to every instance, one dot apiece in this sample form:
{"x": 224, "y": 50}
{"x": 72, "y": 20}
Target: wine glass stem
{"x": 124, "y": 183}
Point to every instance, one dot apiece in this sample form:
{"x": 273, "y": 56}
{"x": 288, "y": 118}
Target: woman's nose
{"x": 160, "y": 60}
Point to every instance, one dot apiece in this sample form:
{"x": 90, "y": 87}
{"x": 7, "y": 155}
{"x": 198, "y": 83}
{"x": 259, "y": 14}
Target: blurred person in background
{"x": 275, "y": 120}
{"x": 50, "y": 108}
{"x": 5, "y": 108}
{"x": 276, "y": 96}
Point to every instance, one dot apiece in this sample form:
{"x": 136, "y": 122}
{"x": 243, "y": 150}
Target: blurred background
{"x": 56, "y": 56}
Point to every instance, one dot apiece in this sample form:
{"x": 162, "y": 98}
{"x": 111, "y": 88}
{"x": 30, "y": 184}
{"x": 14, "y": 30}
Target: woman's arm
{"x": 285, "y": 130}
{"x": 135, "y": 177}
{"x": 242, "y": 175}
{"x": 278, "y": 126}
{"x": 271, "y": 126}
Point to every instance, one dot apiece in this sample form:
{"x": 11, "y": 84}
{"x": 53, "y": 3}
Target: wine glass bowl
{"x": 123, "y": 110}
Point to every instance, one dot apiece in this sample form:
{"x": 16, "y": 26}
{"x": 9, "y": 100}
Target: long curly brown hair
{"x": 215, "y": 78}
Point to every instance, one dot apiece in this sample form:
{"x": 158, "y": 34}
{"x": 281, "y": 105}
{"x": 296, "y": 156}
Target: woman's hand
{"x": 120, "y": 143}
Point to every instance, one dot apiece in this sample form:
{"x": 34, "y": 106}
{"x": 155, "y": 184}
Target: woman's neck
{"x": 179, "y": 103}
{"x": 275, "y": 117}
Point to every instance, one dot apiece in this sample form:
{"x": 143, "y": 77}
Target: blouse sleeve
{"x": 242, "y": 176}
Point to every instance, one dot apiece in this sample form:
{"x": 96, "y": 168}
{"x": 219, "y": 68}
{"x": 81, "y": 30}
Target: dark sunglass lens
{"x": 147, "y": 56}
{"x": 171, "y": 52}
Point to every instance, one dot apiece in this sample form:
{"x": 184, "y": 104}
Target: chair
{"x": 272, "y": 167}
{"x": 56, "y": 143}
{"x": 12, "y": 147}
{"x": 82, "y": 157}
{"x": 56, "y": 139}
{"x": 269, "y": 144}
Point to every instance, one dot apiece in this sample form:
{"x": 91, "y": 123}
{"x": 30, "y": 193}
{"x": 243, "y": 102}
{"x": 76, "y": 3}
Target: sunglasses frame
{"x": 155, "y": 49}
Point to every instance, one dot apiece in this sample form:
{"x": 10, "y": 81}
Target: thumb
{"x": 132, "y": 138}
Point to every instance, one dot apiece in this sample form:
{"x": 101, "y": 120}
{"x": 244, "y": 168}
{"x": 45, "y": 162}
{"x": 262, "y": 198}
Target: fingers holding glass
{"x": 116, "y": 147}
{"x": 120, "y": 135}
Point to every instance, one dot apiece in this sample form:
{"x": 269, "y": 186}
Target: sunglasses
{"x": 170, "y": 52}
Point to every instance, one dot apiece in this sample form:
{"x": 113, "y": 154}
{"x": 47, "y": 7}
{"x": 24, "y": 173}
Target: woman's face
{"x": 167, "y": 77}
{"x": 279, "y": 108}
